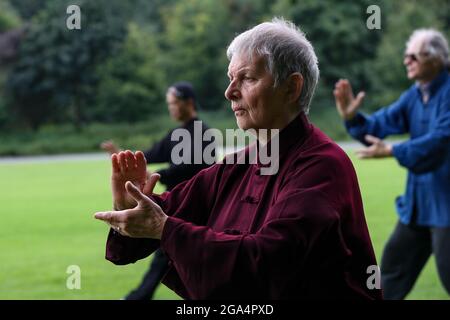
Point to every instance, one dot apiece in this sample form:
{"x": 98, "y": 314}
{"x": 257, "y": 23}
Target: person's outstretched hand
{"x": 109, "y": 146}
{"x": 146, "y": 220}
{"x": 346, "y": 103}
{"x": 377, "y": 149}
{"x": 127, "y": 166}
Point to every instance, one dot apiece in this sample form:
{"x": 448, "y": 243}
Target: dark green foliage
{"x": 28, "y": 8}
{"x": 196, "y": 37}
{"x": 344, "y": 45}
{"x": 8, "y": 17}
{"x": 389, "y": 79}
{"x": 54, "y": 77}
{"x": 117, "y": 68}
{"x": 130, "y": 83}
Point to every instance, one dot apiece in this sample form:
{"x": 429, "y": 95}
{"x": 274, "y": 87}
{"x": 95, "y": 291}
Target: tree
{"x": 196, "y": 34}
{"x": 344, "y": 45}
{"x": 131, "y": 83}
{"x": 9, "y": 18}
{"x": 149, "y": 14}
{"x": 389, "y": 76}
{"x": 27, "y": 8}
{"x": 195, "y": 38}
{"x": 54, "y": 78}
{"x": 9, "y": 37}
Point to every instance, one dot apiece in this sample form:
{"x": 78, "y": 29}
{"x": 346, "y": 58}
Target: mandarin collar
{"x": 295, "y": 132}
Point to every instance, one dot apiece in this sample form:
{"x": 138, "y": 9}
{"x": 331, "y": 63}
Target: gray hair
{"x": 286, "y": 50}
{"x": 433, "y": 43}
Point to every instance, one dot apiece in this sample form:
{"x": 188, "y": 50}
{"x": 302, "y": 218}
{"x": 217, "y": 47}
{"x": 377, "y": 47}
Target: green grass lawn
{"x": 47, "y": 225}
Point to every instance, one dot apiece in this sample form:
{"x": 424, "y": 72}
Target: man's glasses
{"x": 414, "y": 56}
{"x": 411, "y": 56}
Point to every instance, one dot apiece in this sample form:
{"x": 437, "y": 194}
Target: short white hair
{"x": 433, "y": 43}
{"x": 286, "y": 50}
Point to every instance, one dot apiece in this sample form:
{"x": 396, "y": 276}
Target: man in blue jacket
{"x": 423, "y": 111}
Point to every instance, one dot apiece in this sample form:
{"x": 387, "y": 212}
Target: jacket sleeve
{"x": 427, "y": 152}
{"x": 215, "y": 264}
{"x": 387, "y": 121}
{"x": 122, "y": 250}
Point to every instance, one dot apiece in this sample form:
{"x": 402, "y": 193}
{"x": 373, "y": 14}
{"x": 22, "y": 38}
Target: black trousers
{"x": 407, "y": 252}
{"x": 152, "y": 278}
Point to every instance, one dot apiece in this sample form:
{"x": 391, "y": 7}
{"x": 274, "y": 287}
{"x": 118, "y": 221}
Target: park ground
{"x": 48, "y": 225}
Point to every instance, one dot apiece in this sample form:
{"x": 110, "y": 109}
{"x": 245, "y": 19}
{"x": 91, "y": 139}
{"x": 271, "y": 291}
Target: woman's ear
{"x": 294, "y": 87}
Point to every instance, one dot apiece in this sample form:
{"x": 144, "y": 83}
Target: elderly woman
{"x": 232, "y": 232}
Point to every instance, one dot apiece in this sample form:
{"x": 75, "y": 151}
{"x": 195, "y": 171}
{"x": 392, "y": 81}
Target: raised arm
{"x": 347, "y": 104}
{"x": 278, "y": 249}
{"x": 387, "y": 121}
{"x": 110, "y": 147}
{"x": 217, "y": 264}
{"x": 145, "y": 220}
{"x": 210, "y": 263}
{"x": 192, "y": 201}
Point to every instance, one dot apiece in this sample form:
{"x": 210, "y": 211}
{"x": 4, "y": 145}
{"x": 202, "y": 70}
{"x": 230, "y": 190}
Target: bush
{"x": 55, "y": 139}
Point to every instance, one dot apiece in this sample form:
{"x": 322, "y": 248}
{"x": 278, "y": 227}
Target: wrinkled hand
{"x": 346, "y": 103}
{"x": 127, "y": 166}
{"x": 378, "y": 149}
{"x": 146, "y": 220}
{"x": 110, "y": 147}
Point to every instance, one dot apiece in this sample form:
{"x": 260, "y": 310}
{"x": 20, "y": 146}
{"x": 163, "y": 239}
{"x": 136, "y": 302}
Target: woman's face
{"x": 254, "y": 100}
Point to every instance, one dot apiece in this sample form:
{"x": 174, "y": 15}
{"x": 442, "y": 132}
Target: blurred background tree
{"x": 344, "y": 45}
{"x": 28, "y": 8}
{"x": 53, "y": 79}
{"x": 10, "y": 21}
{"x": 389, "y": 80}
{"x": 131, "y": 82}
{"x": 9, "y": 18}
{"x": 194, "y": 39}
{"x": 116, "y": 69}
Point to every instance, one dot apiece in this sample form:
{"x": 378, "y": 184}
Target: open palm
{"x": 346, "y": 103}
{"x": 127, "y": 166}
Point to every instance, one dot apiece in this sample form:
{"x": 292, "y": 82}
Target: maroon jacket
{"x": 234, "y": 233}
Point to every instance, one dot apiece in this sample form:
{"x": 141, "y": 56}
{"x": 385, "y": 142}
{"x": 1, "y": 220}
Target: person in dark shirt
{"x": 422, "y": 111}
{"x": 238, "y": 230}
{"x": 182, "y": 105}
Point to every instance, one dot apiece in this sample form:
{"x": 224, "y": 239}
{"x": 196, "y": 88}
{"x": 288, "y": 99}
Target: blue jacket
{"x": 426, "y": 155}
